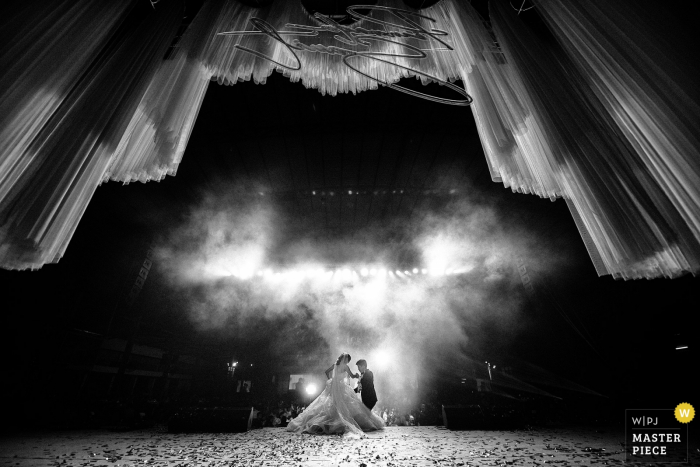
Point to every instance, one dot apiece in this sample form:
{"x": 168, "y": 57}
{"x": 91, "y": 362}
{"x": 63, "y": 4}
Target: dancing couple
{"x": 338, "y": 410}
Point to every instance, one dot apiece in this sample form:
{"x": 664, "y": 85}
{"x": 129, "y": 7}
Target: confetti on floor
{"x": 393, "y": 447}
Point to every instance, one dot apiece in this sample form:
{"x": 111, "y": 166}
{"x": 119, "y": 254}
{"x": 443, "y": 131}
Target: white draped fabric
{"x": 84, "y": 99}
{"x": 622, "y": 202}
{"x": 233, "y": 58}
{"x": 153, "y": 145}
{"x": 642, "y": 70}
{"x": 71, "y": 76}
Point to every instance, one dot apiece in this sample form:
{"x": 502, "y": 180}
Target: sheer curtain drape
{"x": 72, "y": 75}
{"x": 642, "y": 69}
{"x": 157, "y": 135}
{"x": 86, "y": 97}
{"x": 631, "y": 225}
{"x": 232, "y": 58}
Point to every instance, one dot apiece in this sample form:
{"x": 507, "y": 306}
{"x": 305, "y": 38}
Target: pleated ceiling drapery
{"x": 642, "y": 71}
{"x": 73, "y": 73}
{"x": 621, "y": 204}
{"x": 574, "y": 119}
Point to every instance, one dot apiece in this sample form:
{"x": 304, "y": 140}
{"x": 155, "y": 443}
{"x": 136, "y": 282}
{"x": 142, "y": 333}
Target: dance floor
{"x": 395, "y": 446}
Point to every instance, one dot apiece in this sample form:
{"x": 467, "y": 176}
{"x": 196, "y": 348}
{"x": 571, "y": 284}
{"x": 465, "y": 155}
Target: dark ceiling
{"x": 342, "y": 163}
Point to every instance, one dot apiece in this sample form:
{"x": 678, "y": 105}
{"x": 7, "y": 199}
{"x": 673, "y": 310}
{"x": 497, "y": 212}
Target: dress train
{"x": 337, "y": 410}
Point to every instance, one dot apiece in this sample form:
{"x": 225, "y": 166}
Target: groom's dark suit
{"x": 369, "y": 396}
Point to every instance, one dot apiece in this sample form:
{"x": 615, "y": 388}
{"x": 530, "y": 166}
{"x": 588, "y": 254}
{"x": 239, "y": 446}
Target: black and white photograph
{"x": 349, "y": 233}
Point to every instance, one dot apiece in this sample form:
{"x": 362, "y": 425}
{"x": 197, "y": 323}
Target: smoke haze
{"x": 237, "y": 267}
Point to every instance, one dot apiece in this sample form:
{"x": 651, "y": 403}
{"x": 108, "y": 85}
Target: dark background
{"x": 616, "y": 337}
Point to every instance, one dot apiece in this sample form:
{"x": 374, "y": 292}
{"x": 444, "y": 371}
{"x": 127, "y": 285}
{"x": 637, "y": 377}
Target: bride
{"x": 337, "y": 410}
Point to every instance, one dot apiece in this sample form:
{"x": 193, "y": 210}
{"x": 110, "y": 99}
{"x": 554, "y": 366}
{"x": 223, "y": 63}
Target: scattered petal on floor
{"x": 393, "y": 447}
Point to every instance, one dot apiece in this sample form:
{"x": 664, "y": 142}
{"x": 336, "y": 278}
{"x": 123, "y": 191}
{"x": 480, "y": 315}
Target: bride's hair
{"x": 342, "y": 356}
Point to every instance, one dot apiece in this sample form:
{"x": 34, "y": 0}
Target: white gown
{"x": 337, "y": 410}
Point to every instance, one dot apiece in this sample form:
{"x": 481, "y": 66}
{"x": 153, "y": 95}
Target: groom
{"x": 366, "y": 386}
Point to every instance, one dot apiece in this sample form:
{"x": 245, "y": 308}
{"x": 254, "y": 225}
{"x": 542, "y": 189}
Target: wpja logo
{"x": 658, "y": 435}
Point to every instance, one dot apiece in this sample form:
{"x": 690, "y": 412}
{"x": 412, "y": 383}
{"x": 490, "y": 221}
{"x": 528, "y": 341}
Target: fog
{"x": 238, "y": 265}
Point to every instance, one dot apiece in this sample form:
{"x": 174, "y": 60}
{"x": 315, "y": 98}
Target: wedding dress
{"x": 337, "y": 410}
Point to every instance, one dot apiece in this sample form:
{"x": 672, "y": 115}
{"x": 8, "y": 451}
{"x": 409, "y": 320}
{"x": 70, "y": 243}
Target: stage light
{"x": 349, "y": 192}
{"x": 424, "y": 271}
{"x": 372, "y": 272}
{"x": 415, "y": 270}
{"x": 313, "y": 192}
{"x": 407, "y": 273}
{"x": 311, "y": 389}
{"x": 246, "y": 274}
{"x": 295, "y": 274}
{"x": 681, "y": 347}
{"x": 381, "y": 359}
{"x": 364, "y": 272}
{"x": 398, "y": 272}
